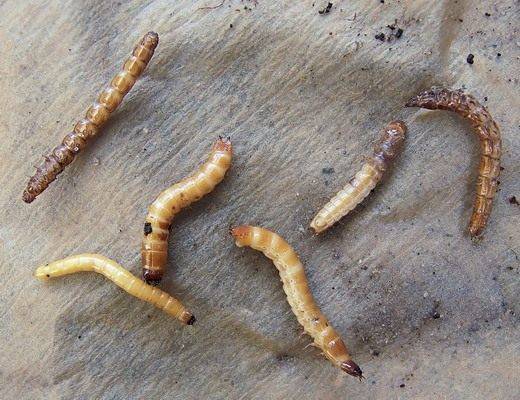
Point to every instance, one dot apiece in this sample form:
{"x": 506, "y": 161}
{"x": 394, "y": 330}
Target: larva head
{"x": 396, "y": 133}
{"x": 150, "y": 40}
{"x": 27, "y": 196}
{"x": 351, "y": 368}
{"x": 223, "y": 144}
{"x": 42, "y": 273}
{"x": 242, "y": 235}
{"x": 429, "y": 99}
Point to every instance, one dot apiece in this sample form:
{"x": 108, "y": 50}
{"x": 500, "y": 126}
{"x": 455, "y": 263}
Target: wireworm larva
{"x": 490, "y": 145}
{"x": 154, "y": 250}
{"x": 359, "y": 187}
{"x": 298, "y": 293}
{"x": 97, "y": 114}
{"x": 121, "y": 277}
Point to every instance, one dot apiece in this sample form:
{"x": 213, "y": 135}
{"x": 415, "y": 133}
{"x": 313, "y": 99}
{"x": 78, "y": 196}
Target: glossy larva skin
{"x": 490, "y": 145}
{"x": 360, "y": 186}
{"x": 154, "y": 250}
{"x": 121, "y": 277}
{"x": 298, "y": 293}
{"x": 95, "y": 117}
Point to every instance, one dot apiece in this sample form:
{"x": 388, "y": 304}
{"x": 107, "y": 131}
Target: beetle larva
{"x": 95, "y": 117}
{"x": 121, "y": 277}
{"x": 359, "y": 187}
{"x": 154, "y": 250}
{"x": 490, "y": 145}
{"x": 298, "y": 293}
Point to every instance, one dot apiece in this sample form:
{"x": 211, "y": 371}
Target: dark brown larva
{"x": 95, "y": 117}
{"x": 490, "y": 145}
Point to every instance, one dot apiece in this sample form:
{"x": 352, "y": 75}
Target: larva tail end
{"x": 351, "y": 368}
{"x": 318, "y": 225}
{"x": 240, "y": 233}
{"x": 223, "y": 144}
{"x": 28, "y": 197}
{"x": 476, "y": 231}
{"x": 413, "y": 102}
{"x": 152, "y": 277}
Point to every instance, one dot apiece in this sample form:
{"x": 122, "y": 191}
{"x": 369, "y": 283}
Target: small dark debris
{"x": 513, "y": 200}
{"x": 382, "y": 1}
{"x": 326, "y": 10}
{"x": 487, "y": 14}
{"x": 375, "y": 353}
{"x": 231, "y": 25}
{"x": 79, "y": 337}
{"x": 402, "y": 385}
{"x": 327, "y": 171}
{"x": 502, "y": 168}
{"x": 147, "y": 228}
{"x": 48, "y": 276}
{"x": 461, "y": 20}
{"x": 499, "y": 54}
{"x": 380, "y": 36}
{"x": 436, "y": 315}
{"x": 485, "y": 98}
{"x": 399, "y": 33}
{"x": 470, "y": 59}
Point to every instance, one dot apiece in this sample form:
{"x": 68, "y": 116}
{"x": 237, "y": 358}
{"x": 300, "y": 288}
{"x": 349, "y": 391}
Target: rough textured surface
{"x": 297, "y": 92}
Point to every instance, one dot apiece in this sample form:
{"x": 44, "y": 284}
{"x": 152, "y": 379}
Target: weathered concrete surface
{"x": 297, "y": 92}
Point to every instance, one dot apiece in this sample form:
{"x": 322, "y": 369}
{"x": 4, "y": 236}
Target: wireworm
{"x": 154, "y": 249}
{"x": 359, "y": 187}
{"x": 121, "y": 277}
{"x": 490, "y": 145}
{"x": 96, "y": 116}
{"x": 298, "y": 293}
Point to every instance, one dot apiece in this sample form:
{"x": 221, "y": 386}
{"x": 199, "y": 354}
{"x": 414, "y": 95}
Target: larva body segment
{"x": 121, "y": 277}
{"x": 95, "y": 117}
{"x": 490, "y": 145}
{"x": 360, "y": 186}
{"x": 154, "y": 250}
{"x": 298, "y": 293}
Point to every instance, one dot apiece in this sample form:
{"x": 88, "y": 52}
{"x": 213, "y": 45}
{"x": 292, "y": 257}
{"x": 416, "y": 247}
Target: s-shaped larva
{"x": 298, "y": 293}
{"x": 121, "y": 277}
{"x": 359, "y": 187}
{"x": 95, "y": 117}
{"x": 490, "y": 145}
{"x": 154, "y": 250}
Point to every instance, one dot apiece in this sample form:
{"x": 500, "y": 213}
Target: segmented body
{"x": 121, "y": 277}
{"x": 95, "y": 117}
{"x": 359, "y": 187}
{"x": 490, "y": 145}
{"x": 298, "y": 293}
{"x": 154, "y": 250}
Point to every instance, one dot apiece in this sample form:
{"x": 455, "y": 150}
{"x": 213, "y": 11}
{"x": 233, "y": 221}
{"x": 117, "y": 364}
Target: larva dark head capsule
{"x": 351, "y": 368}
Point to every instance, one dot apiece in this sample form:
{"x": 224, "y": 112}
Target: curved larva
{"x": 154, "y": 250}
{"x": 490, "y": 145}
{"x": 359, "y": 187}
{"x": 121, "y": 277}
{"x": 95, "y": 117}
{"x": 298, "y": 293}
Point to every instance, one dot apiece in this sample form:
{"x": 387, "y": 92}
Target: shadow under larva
{"x": 96, "y": 116}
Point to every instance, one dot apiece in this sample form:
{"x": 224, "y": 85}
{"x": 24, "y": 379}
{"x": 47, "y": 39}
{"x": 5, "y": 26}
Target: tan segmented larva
{"x": 490, "y": 145}
{"x": 298, "y": 293}
{"x": 154, "y": 250}
{"x": 359, "y": 187}
{"x": 121, "y": 277}
{"x": 96, "y": 116}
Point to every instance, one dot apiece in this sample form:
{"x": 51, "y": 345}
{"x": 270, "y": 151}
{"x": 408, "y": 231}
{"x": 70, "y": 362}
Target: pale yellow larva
{"x": 364, "y": 181}
{"x": 154, "y": 249}
{"x": 121, "y": 277}
{"x": 298, "y": 293}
